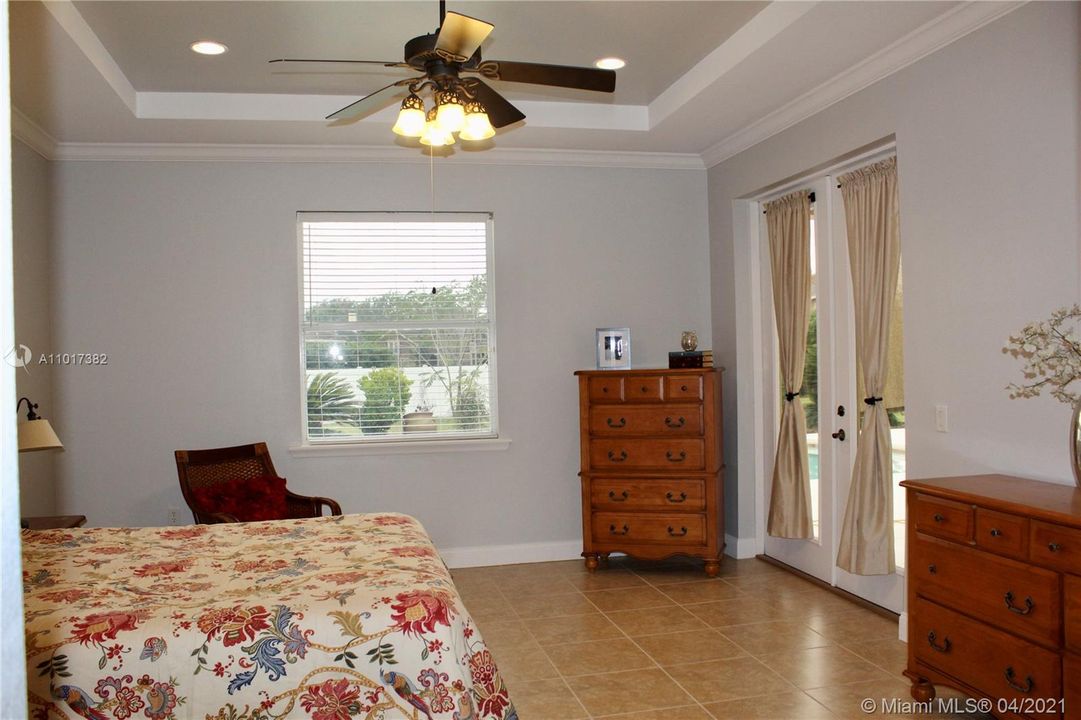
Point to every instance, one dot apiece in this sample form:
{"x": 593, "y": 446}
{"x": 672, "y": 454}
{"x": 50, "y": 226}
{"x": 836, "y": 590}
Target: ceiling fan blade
{"x": 354, "y": 62}
{"x": 370, "y": 103}
{"x": 500, "y": 112}
{"x": 584, "y": 78}
{"x": 461, "y": 35}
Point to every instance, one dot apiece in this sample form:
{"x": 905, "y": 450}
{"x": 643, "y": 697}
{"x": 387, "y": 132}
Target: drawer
{"x": 653, "y": 494}
{"x": 1071, "y": 674}
{"x": 1072, "y": 598}
{"x": 1055, "y": 546}
{"x": 992, "y": 661}
{"x": 655, "y": 528}
{"x": 660, "y": 421}
{"x": 1005, "y": 593}
{"x": 674, "y": 455}
{"x": 606, "y": 389}
{"x": 643, "y": 388}
{"x": 683, "y": 387}
{"x": 1002, "y": 533}
{"x": 943, "y": 518}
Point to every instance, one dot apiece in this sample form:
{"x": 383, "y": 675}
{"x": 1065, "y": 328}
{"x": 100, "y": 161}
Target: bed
{"x": 329, "y": 618}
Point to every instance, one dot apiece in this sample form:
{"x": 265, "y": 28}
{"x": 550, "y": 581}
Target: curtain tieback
{"x": 872, "y": 400}
{"x": 790, "y": 396}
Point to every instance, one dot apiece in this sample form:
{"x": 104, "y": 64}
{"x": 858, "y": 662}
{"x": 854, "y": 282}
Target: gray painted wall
{"x": 186, "y": 275}
{"x": 31, "y": 217}
{"x": 987, "y": 145}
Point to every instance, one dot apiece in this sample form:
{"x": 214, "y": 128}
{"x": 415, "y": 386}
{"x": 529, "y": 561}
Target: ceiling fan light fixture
{"x": 434, "y": 135}
{"x": 411, "y": 118}
{"x": 477, "y": 125}
{"x": 610, "y": 63}
{"x": 450, "y": 113}
{"x": 208, "y": 47}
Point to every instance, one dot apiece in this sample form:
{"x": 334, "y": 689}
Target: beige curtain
{"x": 789, "y": 223}
{"x": 874, "y": 253}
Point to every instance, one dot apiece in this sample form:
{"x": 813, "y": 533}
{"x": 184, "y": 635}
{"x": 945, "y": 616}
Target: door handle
{"x": 839, "y": 435}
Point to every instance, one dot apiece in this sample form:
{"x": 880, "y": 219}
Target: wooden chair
{"x": 205, "y": 468}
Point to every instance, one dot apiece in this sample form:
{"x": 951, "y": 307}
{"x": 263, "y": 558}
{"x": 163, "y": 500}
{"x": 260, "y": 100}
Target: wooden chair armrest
{"x": 213, "y": 518}
{"x": 316, "y": 502}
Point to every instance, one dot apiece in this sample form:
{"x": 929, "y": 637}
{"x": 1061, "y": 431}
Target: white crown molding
{"x": 919, "y": 43}
{"x": 79, "y": 30}
{"x": 763, "y": 27}
{"x": 389, "y": 154}
{"x": 31, "y": 134}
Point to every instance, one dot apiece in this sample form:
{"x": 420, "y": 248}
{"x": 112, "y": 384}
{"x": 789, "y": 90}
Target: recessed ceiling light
{"x": 610, "y": 63}
{"x": 208, "y": 47}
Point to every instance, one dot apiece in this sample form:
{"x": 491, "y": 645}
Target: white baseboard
{"x": 484, "y": 555}
{"x": 739, "y": 548}
{"x": 902, "y": 627}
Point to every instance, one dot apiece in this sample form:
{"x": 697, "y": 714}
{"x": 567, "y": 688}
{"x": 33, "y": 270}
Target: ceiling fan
{"x": 450, "y": 60}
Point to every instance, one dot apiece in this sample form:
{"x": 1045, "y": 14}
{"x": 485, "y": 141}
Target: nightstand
{"x": 53, "y": 522}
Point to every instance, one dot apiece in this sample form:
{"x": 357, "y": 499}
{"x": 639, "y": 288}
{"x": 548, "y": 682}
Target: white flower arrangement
{"x": 1052, "y": 356}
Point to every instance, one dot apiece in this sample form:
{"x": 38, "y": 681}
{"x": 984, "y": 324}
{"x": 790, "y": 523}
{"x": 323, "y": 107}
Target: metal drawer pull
{"x": 995, "y": 532}
{"x": 943, "y": 648}
{"x": 933, "y": 569}
{"x": 673, "y": 533}
{"x": 645, "y": 389}
{"x": 624, "y": 531}
{"x": 675, "y": 424}
{"x": 620, "y": 458}
{"x": 613, "y": 498}
{"x": 604, "y": 390}
{"x": 672, "y": 498}
{"x": 1026, "y": 688}
{"x": 683, "y": 388}
{"x": 622, "y": 423}
{"x": 673, "y": 458}
{"x": 1054, "y": 547}
{"x": 938, "y": 518}
{"x": 1020, "y": 611}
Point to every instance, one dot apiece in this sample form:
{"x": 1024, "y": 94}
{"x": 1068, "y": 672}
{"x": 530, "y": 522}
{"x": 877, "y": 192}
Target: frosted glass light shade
{"x": 477, "y": 125}
{"x": 411, "y": 118}
{"x": 449, "y": 114}
{"x": 38, "y": 435}
{"x": 433, "y": 134}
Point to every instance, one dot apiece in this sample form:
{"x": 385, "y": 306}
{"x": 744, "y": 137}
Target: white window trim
{"x": 491, "y": 440}
{"x": 403, "y": 447}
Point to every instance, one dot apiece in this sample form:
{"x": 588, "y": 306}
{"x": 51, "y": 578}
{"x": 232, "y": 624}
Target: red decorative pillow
{"x": 248, "y": 499}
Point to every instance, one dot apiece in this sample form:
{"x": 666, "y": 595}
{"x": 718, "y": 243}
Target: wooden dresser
{"x": 994, "y": 592}
{"x": 652, "y": 483}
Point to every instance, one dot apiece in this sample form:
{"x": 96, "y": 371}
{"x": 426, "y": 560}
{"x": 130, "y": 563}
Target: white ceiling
{"x": 702, "y": 78}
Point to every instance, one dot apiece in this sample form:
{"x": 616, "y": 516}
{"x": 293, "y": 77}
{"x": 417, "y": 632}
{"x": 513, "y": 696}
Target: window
{"x": 397, "y": 327}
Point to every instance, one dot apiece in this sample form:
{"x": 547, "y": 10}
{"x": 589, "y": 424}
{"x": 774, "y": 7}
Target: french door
{"x": 832, "y": 405}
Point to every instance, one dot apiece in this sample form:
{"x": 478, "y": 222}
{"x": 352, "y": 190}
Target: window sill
{"x": 412, "y": 447}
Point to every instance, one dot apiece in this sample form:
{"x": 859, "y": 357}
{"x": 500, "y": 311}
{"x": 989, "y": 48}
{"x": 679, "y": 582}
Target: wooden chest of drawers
{"x": 994, "y": 592}
{"x": 651, "y": 464}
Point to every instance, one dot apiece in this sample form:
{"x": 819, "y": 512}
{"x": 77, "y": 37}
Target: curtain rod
{"x": 810, "y": 196}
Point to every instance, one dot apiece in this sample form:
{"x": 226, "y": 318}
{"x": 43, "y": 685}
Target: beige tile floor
{"x": 661, "y": 641}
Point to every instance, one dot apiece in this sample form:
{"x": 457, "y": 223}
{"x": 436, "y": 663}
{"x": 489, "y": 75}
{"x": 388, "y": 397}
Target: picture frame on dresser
{"x": 613, "y": 348}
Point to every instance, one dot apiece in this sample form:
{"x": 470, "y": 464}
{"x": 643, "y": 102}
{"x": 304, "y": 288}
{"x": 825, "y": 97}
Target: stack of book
{"x": 691, "y": 359}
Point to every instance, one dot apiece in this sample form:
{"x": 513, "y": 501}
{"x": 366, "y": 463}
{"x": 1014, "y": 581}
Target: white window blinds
{"x": 397, "y": 326}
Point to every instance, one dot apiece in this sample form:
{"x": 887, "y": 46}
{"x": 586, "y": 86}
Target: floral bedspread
{"x": 329, "y": 618}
